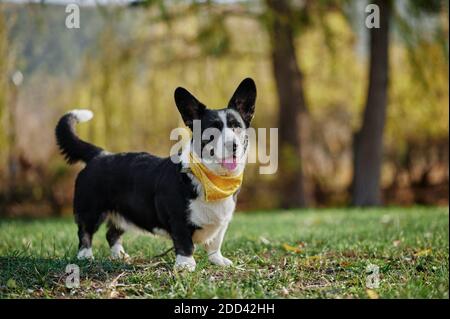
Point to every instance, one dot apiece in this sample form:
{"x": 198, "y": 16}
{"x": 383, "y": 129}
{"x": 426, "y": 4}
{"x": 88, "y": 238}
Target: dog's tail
{"x": 71, "y": 146}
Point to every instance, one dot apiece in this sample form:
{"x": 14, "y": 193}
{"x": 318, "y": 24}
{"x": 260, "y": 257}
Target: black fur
{"x": 147, "y": 190}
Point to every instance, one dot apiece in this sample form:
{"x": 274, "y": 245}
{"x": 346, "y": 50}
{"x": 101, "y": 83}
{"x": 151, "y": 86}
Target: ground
{"x": 317, "y": 253}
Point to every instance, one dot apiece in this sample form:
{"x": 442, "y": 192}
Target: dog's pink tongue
{"x": 229, "y": 164}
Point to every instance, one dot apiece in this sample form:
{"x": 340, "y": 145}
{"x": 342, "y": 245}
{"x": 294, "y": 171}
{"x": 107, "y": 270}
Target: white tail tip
{"x": 82, "y": 115}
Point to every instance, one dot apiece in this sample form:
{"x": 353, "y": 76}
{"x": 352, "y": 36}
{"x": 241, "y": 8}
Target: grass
{"x": 295, "y": 254}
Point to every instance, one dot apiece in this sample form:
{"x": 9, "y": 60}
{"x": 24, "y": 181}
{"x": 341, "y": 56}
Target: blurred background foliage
{"x": 126, "y": 60}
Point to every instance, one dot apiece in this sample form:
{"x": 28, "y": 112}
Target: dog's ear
{"x": 243, "y": 100}
{"x": 189, "y": 107}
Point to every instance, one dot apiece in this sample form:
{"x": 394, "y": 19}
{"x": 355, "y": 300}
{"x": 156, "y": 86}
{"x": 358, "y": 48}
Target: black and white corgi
{"x": 192, "y": 204}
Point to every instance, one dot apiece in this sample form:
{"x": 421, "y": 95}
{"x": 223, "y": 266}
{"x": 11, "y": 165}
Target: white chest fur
{"x": 210, "y": 216}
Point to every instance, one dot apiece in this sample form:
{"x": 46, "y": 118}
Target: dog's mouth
{"x": 229, "y": 163}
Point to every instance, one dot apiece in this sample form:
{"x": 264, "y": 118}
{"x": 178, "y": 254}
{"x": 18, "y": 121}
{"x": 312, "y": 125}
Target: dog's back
{"x": 113, "y": 179}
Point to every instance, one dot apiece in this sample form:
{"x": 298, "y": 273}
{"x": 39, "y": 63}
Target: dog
{"x": 191, "y": 201}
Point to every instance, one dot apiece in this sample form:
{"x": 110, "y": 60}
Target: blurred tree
{"x": 368, "y": 141}
{"x": 291, "y": 99}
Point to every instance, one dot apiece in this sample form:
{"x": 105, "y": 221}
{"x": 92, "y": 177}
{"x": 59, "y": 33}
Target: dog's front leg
{"x": 213, "y": 248}
{"x": 184, "y": 249}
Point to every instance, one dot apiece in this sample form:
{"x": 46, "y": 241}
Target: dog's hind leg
{"x": 85, "y": 244}
{"x": 86, "y": 230}
{"x": 113, "y": 236}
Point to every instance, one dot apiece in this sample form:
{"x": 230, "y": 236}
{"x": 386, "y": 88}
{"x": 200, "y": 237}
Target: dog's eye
{"x": 234, "y": 124}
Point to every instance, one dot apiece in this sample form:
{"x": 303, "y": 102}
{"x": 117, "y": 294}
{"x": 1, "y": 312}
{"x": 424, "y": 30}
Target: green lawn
{"x": 296, "y": 254}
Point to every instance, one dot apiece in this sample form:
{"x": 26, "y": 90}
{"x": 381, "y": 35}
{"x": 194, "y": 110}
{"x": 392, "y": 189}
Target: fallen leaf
{"x": 423, "y": 253}
{"x": 396, "y": 243}
{"x": 372, "y": 294}
{"x": 293, "y": 249}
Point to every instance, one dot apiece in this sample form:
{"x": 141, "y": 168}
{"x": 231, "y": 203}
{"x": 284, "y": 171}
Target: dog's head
{"x": 222, "y": 144}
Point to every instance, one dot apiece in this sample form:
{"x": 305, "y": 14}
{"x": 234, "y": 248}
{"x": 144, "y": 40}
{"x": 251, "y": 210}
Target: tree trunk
{"x": 368, "y": 142}
{"x": 291, "y": 101}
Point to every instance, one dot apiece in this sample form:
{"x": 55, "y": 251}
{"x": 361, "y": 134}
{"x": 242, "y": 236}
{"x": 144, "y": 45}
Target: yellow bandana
{"x": 215, "y": 186}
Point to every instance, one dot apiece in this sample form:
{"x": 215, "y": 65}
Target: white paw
{"x": 184, "y": 262}
{"x": 219, "y": 260}
{"x": 117, "y": 252}
{"x": 85, "y": 253}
